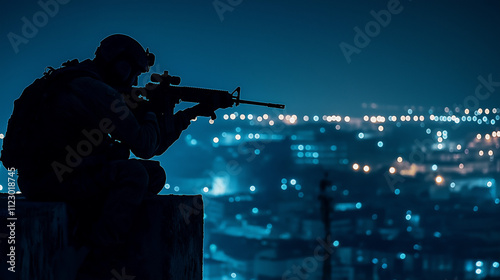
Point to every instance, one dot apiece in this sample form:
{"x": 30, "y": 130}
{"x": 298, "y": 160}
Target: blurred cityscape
{"x": 382, "y": 196}
{"x": 407, "y": 196}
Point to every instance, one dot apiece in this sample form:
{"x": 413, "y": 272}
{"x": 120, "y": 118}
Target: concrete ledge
{"x": 168, "y": 241}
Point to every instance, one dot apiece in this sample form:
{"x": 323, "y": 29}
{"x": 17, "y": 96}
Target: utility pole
{"x": 325, "y": 209}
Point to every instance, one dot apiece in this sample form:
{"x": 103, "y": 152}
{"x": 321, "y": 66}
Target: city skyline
{"x": 412, "y": 196}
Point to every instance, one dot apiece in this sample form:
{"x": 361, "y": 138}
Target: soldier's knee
{"x": 133, "y": 173}
{"x": 158, "y": 173}
{"x": 157, "y": 176}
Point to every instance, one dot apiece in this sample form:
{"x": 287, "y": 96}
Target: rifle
{"x": 164, "y": 84}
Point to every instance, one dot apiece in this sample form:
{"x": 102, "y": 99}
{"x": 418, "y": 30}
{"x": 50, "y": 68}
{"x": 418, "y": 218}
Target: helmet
{"x": 119, "y": 46}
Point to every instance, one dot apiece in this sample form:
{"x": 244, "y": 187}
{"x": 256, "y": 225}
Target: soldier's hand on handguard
{"x": 207, "y": 109}
{"x": 204, "y": 110}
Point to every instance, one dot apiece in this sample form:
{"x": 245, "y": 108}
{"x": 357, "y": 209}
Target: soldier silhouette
{"x": 70, "y": 138}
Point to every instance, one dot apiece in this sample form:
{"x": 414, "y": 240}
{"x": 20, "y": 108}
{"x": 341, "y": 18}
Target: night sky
{"x": 426, "y": 54}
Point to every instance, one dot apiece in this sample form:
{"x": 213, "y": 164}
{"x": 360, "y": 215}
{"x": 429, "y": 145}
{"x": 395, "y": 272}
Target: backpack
{"x": 29, "y": 118}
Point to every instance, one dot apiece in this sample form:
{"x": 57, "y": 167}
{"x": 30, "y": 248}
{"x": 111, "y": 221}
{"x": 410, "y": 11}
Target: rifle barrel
{"x": 271, "y": 105}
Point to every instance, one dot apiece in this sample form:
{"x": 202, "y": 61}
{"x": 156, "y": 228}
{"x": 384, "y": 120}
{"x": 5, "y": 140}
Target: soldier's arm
{"x": 142, "y": 134}
{"x": 171, "y": 127}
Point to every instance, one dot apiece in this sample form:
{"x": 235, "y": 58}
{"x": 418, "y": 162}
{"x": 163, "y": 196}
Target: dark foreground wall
{"x": 168, "y": 243}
